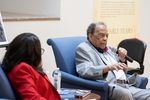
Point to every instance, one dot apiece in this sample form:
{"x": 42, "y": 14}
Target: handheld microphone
{"x": 126, "y": 57}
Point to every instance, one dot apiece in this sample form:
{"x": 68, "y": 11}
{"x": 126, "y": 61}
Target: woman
{"x": 22, "y": 64}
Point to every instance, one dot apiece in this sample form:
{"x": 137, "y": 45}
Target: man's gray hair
{"x": 92, "y": 26}
{"x": 101, "y": 23}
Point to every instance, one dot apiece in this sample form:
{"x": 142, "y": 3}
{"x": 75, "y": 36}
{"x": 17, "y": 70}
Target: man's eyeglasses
{"x": 42, "y": 51}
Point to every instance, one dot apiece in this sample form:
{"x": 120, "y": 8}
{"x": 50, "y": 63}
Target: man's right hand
{"x": 117, "y": 66}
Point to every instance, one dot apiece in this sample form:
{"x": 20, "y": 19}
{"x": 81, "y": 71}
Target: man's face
{"x": 100, "y": 36}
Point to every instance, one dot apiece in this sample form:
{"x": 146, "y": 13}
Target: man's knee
{"x": 126, "y": 96}
{"x": 121, "y": 94}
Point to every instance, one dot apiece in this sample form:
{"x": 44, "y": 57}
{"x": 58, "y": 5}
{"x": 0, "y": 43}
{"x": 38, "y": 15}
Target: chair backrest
{"x": 64, "y": 52}
{"x": 135, "y": 47}
{"x": 6, "y": 91}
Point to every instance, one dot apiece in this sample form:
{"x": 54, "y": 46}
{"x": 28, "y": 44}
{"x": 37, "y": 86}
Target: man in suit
{"x": 98, "y": 61}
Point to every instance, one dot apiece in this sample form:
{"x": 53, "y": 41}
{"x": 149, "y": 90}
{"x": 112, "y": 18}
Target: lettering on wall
{"x": 120, "y": 31}
{"x": 115, "y": 8}
{"x": 121, "y": 16}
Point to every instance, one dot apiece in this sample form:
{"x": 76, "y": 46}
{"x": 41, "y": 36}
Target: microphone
{"x": 126, "y": 57}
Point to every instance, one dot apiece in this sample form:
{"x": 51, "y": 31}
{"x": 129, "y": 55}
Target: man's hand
{"x": 117, "y": 66}
{"x": 121, "y": 54}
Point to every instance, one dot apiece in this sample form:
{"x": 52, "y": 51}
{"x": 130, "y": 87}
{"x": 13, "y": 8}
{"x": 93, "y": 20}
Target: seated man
{"x": 98, "y": 61}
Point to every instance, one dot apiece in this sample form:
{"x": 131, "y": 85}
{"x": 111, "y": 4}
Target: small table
{"x": 91, "y": 96}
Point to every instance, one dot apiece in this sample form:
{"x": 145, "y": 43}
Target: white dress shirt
{"x": 120, "y": 74}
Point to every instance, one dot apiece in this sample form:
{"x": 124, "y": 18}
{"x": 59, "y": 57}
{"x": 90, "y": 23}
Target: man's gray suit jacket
{"x": 90, "y": 64}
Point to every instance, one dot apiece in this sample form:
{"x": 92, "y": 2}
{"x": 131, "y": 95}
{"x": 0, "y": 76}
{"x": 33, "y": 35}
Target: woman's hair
{"x": 26, "y": 48}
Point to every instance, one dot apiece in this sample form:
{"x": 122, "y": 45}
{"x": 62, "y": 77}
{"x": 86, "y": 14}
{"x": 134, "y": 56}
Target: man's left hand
{"x": 122, "y": 54}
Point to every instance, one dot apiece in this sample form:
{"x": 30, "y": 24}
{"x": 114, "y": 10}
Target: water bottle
{"x": 57, "y": 78}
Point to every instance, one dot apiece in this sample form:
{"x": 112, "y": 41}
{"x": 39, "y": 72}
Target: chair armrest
{"x": 66, "y": 77}
{"x": 144, "y": 81}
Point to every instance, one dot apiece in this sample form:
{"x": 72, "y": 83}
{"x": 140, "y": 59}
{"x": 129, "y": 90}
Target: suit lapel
{"x": 101, "y": 57}
{"x": 113, "y": 55}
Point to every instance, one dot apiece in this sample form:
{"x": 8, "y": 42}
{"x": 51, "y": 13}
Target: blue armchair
{"x": 64, "y": 52}
{"x": 6, "y": 92}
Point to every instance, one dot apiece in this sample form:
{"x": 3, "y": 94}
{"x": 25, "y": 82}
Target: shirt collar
{"x": 99, "y": 49}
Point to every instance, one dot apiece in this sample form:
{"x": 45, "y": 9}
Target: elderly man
{"x": 98, "y": 61}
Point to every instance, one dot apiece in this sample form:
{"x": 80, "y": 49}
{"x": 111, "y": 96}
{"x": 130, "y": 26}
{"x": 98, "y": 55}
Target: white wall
{"x": 76, "y": 15}
{"x": 32, "y": 7}
{"x": 145, "y": 34}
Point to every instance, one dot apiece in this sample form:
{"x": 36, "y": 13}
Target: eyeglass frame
{"x": 42, "y": 51}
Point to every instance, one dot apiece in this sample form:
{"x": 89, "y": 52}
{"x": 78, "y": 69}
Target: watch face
{"x": 3, "y": 38}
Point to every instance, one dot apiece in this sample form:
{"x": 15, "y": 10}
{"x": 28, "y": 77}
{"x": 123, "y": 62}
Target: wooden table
{"x": 91, "y": 96}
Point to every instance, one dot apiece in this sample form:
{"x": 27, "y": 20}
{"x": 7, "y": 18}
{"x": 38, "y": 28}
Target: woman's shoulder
{"x": 24, "y": 64}
{"x": 23, "y": 67}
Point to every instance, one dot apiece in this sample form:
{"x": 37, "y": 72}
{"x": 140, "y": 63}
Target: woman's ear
{"x": 40, "y": 64}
